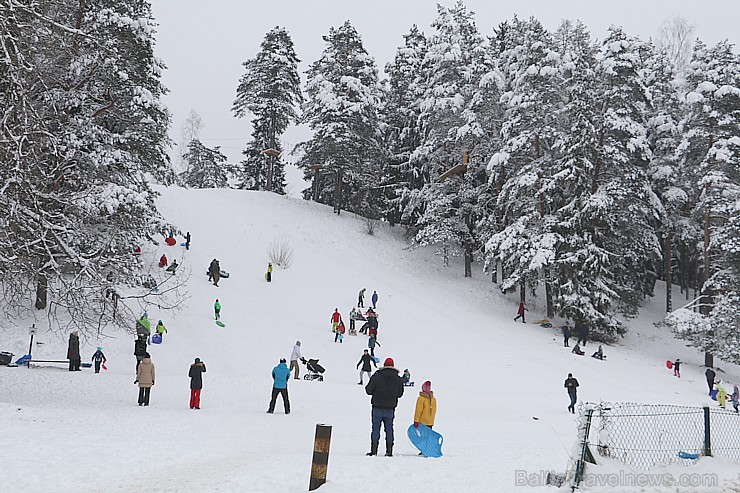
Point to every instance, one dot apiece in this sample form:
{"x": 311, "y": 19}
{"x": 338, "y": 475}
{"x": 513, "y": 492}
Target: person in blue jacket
{"x": 374, "y": 299}
{"x": 280, "y": 375}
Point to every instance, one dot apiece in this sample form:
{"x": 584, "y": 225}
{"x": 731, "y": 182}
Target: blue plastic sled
{"x": 23, "y": 360}
{"x": 156, "y": 339}
{"x": 428, "y": 441}
{"x": 377, "y": 360}
{"x": 686, "y": 455}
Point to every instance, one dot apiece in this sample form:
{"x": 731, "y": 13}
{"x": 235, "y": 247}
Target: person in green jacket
{"x": 217, "y": 309}
{"x": 161, "y": 329}
{"x": 721, "y": 396}
{"x": 268, "y": 276}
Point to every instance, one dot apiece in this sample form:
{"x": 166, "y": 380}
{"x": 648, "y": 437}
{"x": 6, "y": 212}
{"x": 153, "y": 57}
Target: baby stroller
{"x": 314, "y": 370}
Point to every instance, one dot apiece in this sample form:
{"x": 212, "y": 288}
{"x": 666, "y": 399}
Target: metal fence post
{"x": 320, "y": 462}
{"x": 707, "y": 433}
{"x": 580, "y": 466}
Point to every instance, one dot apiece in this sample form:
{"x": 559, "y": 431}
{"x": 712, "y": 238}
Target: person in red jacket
{"x": 163, "y": 261}
{"x": 520, "y": 312}
{"x": 335, "y": 319}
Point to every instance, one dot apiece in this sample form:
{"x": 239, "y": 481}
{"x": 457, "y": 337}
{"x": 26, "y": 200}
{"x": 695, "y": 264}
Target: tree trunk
{"x": 42, "y": 289}
{"x": 548, "y": 296}
{"x": 668, "y": 253}
{"x": 468, "y": 258}
{"x": 523, "y": 291}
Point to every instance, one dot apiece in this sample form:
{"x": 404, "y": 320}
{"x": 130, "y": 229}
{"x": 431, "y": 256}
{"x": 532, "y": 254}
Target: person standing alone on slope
{"x": 280, "y": 375}
{"x": 335, "y": 318}
{"x": 386, "y": 388}
{"x": 520, "y": 312}
{"x": 566, "y": 334}
{"x": 73, "y": 352}
{"x": 374, "y": 299}
{"x": 196, "y": 372}
{"x": 145, "y": 377}
{"x": 217, "y": 309}
{"x": 571, "y": 384}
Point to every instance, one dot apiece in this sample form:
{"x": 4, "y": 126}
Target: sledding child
{"x": 160, "y": 329}
{"x": 98, "y": 358}
{"x": 173, "y": 267}
{"x": 163, "y": 260}
{"x": 217, "y": 309}
{"x": 406, "y": 377}
{"x": 735, "y": 398}
{"x": 677, "y": 368}
{"x": 577, "y": 350}
{"x": 339, "y": 334}
{"x": 721, "y": 396}
{"x": 598, "y": 354}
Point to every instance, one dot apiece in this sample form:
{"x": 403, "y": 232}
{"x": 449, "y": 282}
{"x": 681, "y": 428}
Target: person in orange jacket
{"x": 163, "y": 261}
{"x": 426, "y": 406}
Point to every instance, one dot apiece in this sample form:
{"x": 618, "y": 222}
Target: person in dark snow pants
{"x": 365, "y": 361}
{"x": 196, "y": 372}
{"x": 145, "y": 377}
{"x": 571, "y": 384}
{"x": 361, "y": 298}
{"x": 566, "y": 334}
{"x": 677, "y": 368}
{"x": 187, "y": 241}
{"x": 520, "y": 312}
{"x": 217, "y": 309}
{"x": 73, "y": 351}
{"x": 371, "y": 342}
{"x": 98, "y": 358}
{"x": 140, "y": 350}
{"x": 374, "y": 299}
{"x": 582, "y": 330}
{"x": 386, "y": 388}
{"x": 710, "y": 379}
{"x": 280, "y": 375}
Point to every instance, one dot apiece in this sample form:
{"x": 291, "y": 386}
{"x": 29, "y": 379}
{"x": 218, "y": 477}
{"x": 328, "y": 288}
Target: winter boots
{"x": 373, "y": 448}
{"x": 389, "y": 449}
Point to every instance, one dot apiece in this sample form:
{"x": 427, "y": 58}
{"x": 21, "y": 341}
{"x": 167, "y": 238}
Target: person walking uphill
{"x": 677, "y": 368}
{"x": 335, "y": 318}
{"x": 99, "y": 358}
{"x": 214, "y": 272}
{"x": 520, "y": 312}
{"x": 145, "y": 377}
{"x": 280, "y": 375}
{"x": 196, "y": 372}
{"x": 374, "y": 299}
{"x": 572, "y": 384}
{"x": 217, "y": 309}
{"x": 385, "y": 387}
{"x": 365, "y": 361}
{"x": 426, "y": 406}
{"x": 268, "y": 276}
{"x": 566, "y": 334}
{"x": 73, "y": 352}
{"x": 296, "y": 356}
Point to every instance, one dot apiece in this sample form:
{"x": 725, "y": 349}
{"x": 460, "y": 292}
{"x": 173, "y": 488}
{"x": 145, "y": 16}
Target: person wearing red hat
{"x": 385, "y": 387}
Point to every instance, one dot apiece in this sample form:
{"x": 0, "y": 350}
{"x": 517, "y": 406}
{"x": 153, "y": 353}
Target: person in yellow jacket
{"x": 268, "y": 276}
{"x": 426, "y": 406}
{"x": 721, "y": 396}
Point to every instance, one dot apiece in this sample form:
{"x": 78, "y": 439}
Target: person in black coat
{"x": 710, "y": 379}
{"x": 582, "y": 330}
{"x": 187, "y": 241}
{"x": 386, "y": 387}
{"x": 566, "y": 334}
{"x": 197, "y": 370}
{"x": 73, "y": 352}
{"x": 140, "y": 350}
{"x": 571, "y": 384}
{"x": 365, "y": 361}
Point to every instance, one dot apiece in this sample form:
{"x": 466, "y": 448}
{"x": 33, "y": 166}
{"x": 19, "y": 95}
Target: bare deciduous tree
{"x": 280, "y": 252}
{"x": 189, "y": 131}
{"x": 675, "y": 37}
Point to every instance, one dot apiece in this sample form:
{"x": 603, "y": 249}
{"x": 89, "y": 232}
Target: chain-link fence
{"x": 644, "y": 436}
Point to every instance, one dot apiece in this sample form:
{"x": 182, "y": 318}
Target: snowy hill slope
{"x": 490, "y": 374}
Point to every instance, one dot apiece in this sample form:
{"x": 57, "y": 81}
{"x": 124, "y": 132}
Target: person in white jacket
{"x": 295, "y": 357}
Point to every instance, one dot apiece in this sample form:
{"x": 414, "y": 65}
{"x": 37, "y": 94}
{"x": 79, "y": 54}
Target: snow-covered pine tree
{"x": 343, "y": 96}
{"x": 401, "y": 115}
{"x": 606, "y": 263}
{"x": 79, "y": 202}
{"x": 206, "y": 167}
{"x": 270, "y": 89}
{"x": 450, "y": 129}
{"x": 711, "y": 146}
{"x": 679, "y": 234}
{"x": 526, "y": 242}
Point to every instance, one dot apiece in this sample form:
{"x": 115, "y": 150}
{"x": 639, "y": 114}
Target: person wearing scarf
{"x": 426, "y": 406}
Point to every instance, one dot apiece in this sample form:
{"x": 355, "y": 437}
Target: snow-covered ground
{"x": 68, "y": 432}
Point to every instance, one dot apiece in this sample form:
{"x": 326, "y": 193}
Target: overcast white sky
{"x": 203, "y": 43}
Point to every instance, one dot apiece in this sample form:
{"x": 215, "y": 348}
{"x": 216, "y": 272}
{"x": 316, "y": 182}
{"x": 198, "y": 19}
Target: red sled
{"x": 170, "y": 241}
{"x": 104, "y": 367}
{"x": 669, "y": 364}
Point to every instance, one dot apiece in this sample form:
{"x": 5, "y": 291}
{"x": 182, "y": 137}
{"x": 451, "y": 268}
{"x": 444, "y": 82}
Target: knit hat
{"x": 297, "y": 343}
{"x": 197, "y": 360}
{"x": 426, "y": 386}
{"x": 389, "y": 362}
{"x": 100, "y": 348}
{"x": 282, "y": 360}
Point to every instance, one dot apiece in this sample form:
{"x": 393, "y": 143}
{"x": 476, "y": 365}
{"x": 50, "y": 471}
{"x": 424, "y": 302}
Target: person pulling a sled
{"x": 99, "y": 359}
{"x": 365, "y": 361}
{"x": 217, "y": 309}
{"x": 520, "y": 312}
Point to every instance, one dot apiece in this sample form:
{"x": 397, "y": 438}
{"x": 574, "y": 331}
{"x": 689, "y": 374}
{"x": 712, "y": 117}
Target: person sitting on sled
{"x": 173, "y": 267}
{"x": 406, "y": 377}
{"x": 577, "y": 350}
{"x": 598, "y": 354}
{"x": 163, "y": 260}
